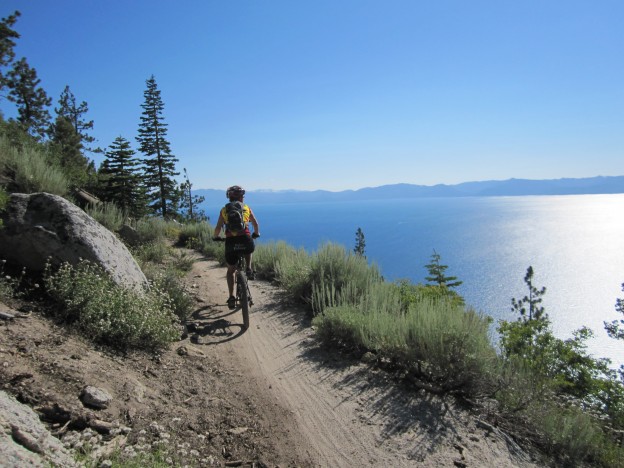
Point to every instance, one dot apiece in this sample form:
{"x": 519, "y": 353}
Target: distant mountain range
{"x": 490, "y": 188}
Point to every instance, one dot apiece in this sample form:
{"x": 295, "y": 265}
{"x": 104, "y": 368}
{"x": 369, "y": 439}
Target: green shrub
{"x": 156, "y": 251}
{"x": 288, "y": 266}
{"x": 169, "y": 282}
{"x": 31, "y": 170}
{"x": 152, "y": 228}
{"x": 90, "y": 300}
{"x": 108, "y": 214}
{"x": 194, "y": 235}
{"x": 435, "y": 341}
{"x": 331, "y": 270}
{"x": 182, "y": 261}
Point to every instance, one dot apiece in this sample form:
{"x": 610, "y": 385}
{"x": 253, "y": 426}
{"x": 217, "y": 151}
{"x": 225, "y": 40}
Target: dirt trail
{"x": 265, "y": 397}
{"x": 340, "y": 413}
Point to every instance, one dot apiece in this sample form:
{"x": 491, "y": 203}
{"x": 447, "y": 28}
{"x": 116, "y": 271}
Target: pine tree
{"x": 32, "y": 101}
{"x": 615, "y": 329}
{"x": 7, "y": 44}
{"x": 75, "y": 114}
{"x": 533, "y": 300}
{"x": 66, "y": 147}
{"x": 122, "y": 178}
{"x": 436, "y": 272}
{"x": 360, "y": 243}
{"x": 189, "y": 202}
{"x": 159, "y": 162}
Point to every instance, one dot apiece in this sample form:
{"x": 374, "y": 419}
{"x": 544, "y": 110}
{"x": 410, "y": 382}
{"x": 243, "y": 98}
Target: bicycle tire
{"x": 243, "y": 297}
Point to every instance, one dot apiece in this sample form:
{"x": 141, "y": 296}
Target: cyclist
{"x": 237, "y": 241}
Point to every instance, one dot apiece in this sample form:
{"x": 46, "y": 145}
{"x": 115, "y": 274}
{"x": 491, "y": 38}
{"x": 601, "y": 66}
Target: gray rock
{"x": 39, "y": 226}
{"x": 95, "y": 397}
{"x": 24, "y": 440}
{"x": 129, "y": 235}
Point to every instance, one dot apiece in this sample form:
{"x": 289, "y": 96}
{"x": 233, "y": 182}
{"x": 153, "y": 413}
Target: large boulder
{"x": 24, "y": 440}
{"x": 41, "y": 226}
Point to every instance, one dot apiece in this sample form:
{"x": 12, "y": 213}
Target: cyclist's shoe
{"x": 251, "y": 275}
{"x": 231, "y": 302}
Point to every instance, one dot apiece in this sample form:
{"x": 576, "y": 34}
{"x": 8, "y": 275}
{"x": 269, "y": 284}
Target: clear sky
{"x": 345, "y": 94}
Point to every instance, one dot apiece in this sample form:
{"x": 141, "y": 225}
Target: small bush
{"x": 31, "y": 170}
{"x": 194, "y": 235}
{"x": 156, "y": 251}
{"x": 108, "y": 214}
{"x": 435, "y": 341}
{"x": 105, "y": 312}
{"x": 334, "y": 268}
{"x": 152, "y": 229}
{"x": 182, "y": 261}
{"x": 169, "y": 282}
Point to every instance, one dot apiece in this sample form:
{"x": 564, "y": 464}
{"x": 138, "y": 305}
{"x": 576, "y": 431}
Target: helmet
{"x": 234, "y": 192}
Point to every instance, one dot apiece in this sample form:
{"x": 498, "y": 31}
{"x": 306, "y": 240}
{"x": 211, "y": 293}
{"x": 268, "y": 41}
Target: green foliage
{"x": 74, "y": 113}
{"x": 360, "y": 243}
{"x": 280, "y": 261}
{"x": 108, "y": 214}
{"x": 7, "y": 44}
{"x": 122, "y": 182}
{"x": 153, "y": 252}
{"x": 31, "y": 99}
{"x": 533, "y": 300}
{"x": 159, "y": 162}
{"x": 89, "y": 299}
{"x": 30, "y": 169}
{"x": 66, "y": 149}
{"x": 8, "y": 284}
{"x": 331, "y": 269}
{"x": 433, "y": 341}
{"x": 414, "y": 293}
{"x": 189, "y": 202}
{"x": 168, "y": 281}
{"x": 615, "y": 329}
{"x": 195, "y": 235}
{"x": 152, "y": 229}
{"x": 565, "y": 372}
{"x": 436, "y": 273}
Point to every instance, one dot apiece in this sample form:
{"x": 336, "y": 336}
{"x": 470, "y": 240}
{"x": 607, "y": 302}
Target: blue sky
{"x": 336, "y": 95}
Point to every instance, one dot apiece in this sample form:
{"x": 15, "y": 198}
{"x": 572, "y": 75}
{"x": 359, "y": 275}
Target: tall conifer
{"x": 75, "y": 114}
{"x": 123, "y": 181}
{"x": 7, "y": 44}
{"x": 159, "y": 162}
{"x": 31, "y": 100}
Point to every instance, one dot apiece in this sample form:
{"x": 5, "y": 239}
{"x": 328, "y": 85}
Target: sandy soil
{"x": 224, "y": 396}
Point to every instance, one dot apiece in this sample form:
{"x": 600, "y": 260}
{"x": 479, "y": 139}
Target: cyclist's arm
{"x": 254, "y": 222}
{"x": 219, "y": 226}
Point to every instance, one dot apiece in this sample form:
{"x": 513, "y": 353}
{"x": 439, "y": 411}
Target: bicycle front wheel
{"x": 243, "y": 297}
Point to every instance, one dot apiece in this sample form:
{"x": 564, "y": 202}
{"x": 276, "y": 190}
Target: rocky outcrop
{"x": 24, "y": 440}
{"x": 41, "y": 226}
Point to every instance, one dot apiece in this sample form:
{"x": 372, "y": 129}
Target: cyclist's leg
{"x": 231, "y": 270}
{"x": 231, "y": 258}
{"x": 249, "y": 257}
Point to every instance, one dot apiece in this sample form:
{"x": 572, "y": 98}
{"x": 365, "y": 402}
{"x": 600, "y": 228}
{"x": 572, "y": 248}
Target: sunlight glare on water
{"x": 575, "y": 245}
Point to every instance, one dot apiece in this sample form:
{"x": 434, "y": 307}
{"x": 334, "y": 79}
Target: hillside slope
{"x": 223, "y": 397}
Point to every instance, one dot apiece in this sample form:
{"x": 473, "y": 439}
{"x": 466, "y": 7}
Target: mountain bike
{"x": 241, "y": 284}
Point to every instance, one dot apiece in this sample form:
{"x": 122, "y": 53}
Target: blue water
{"x": 574, "y": 243}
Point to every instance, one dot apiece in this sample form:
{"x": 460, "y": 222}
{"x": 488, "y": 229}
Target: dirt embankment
{"x": 268, "y": 396}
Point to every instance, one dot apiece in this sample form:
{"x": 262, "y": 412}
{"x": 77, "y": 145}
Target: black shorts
{"x": 236, "y": 246}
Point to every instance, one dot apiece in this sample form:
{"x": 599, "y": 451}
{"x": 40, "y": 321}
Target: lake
{"x": 574, "y": 243}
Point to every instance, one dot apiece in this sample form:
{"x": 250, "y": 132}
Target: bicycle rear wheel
{"x": 243, "y": 297}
